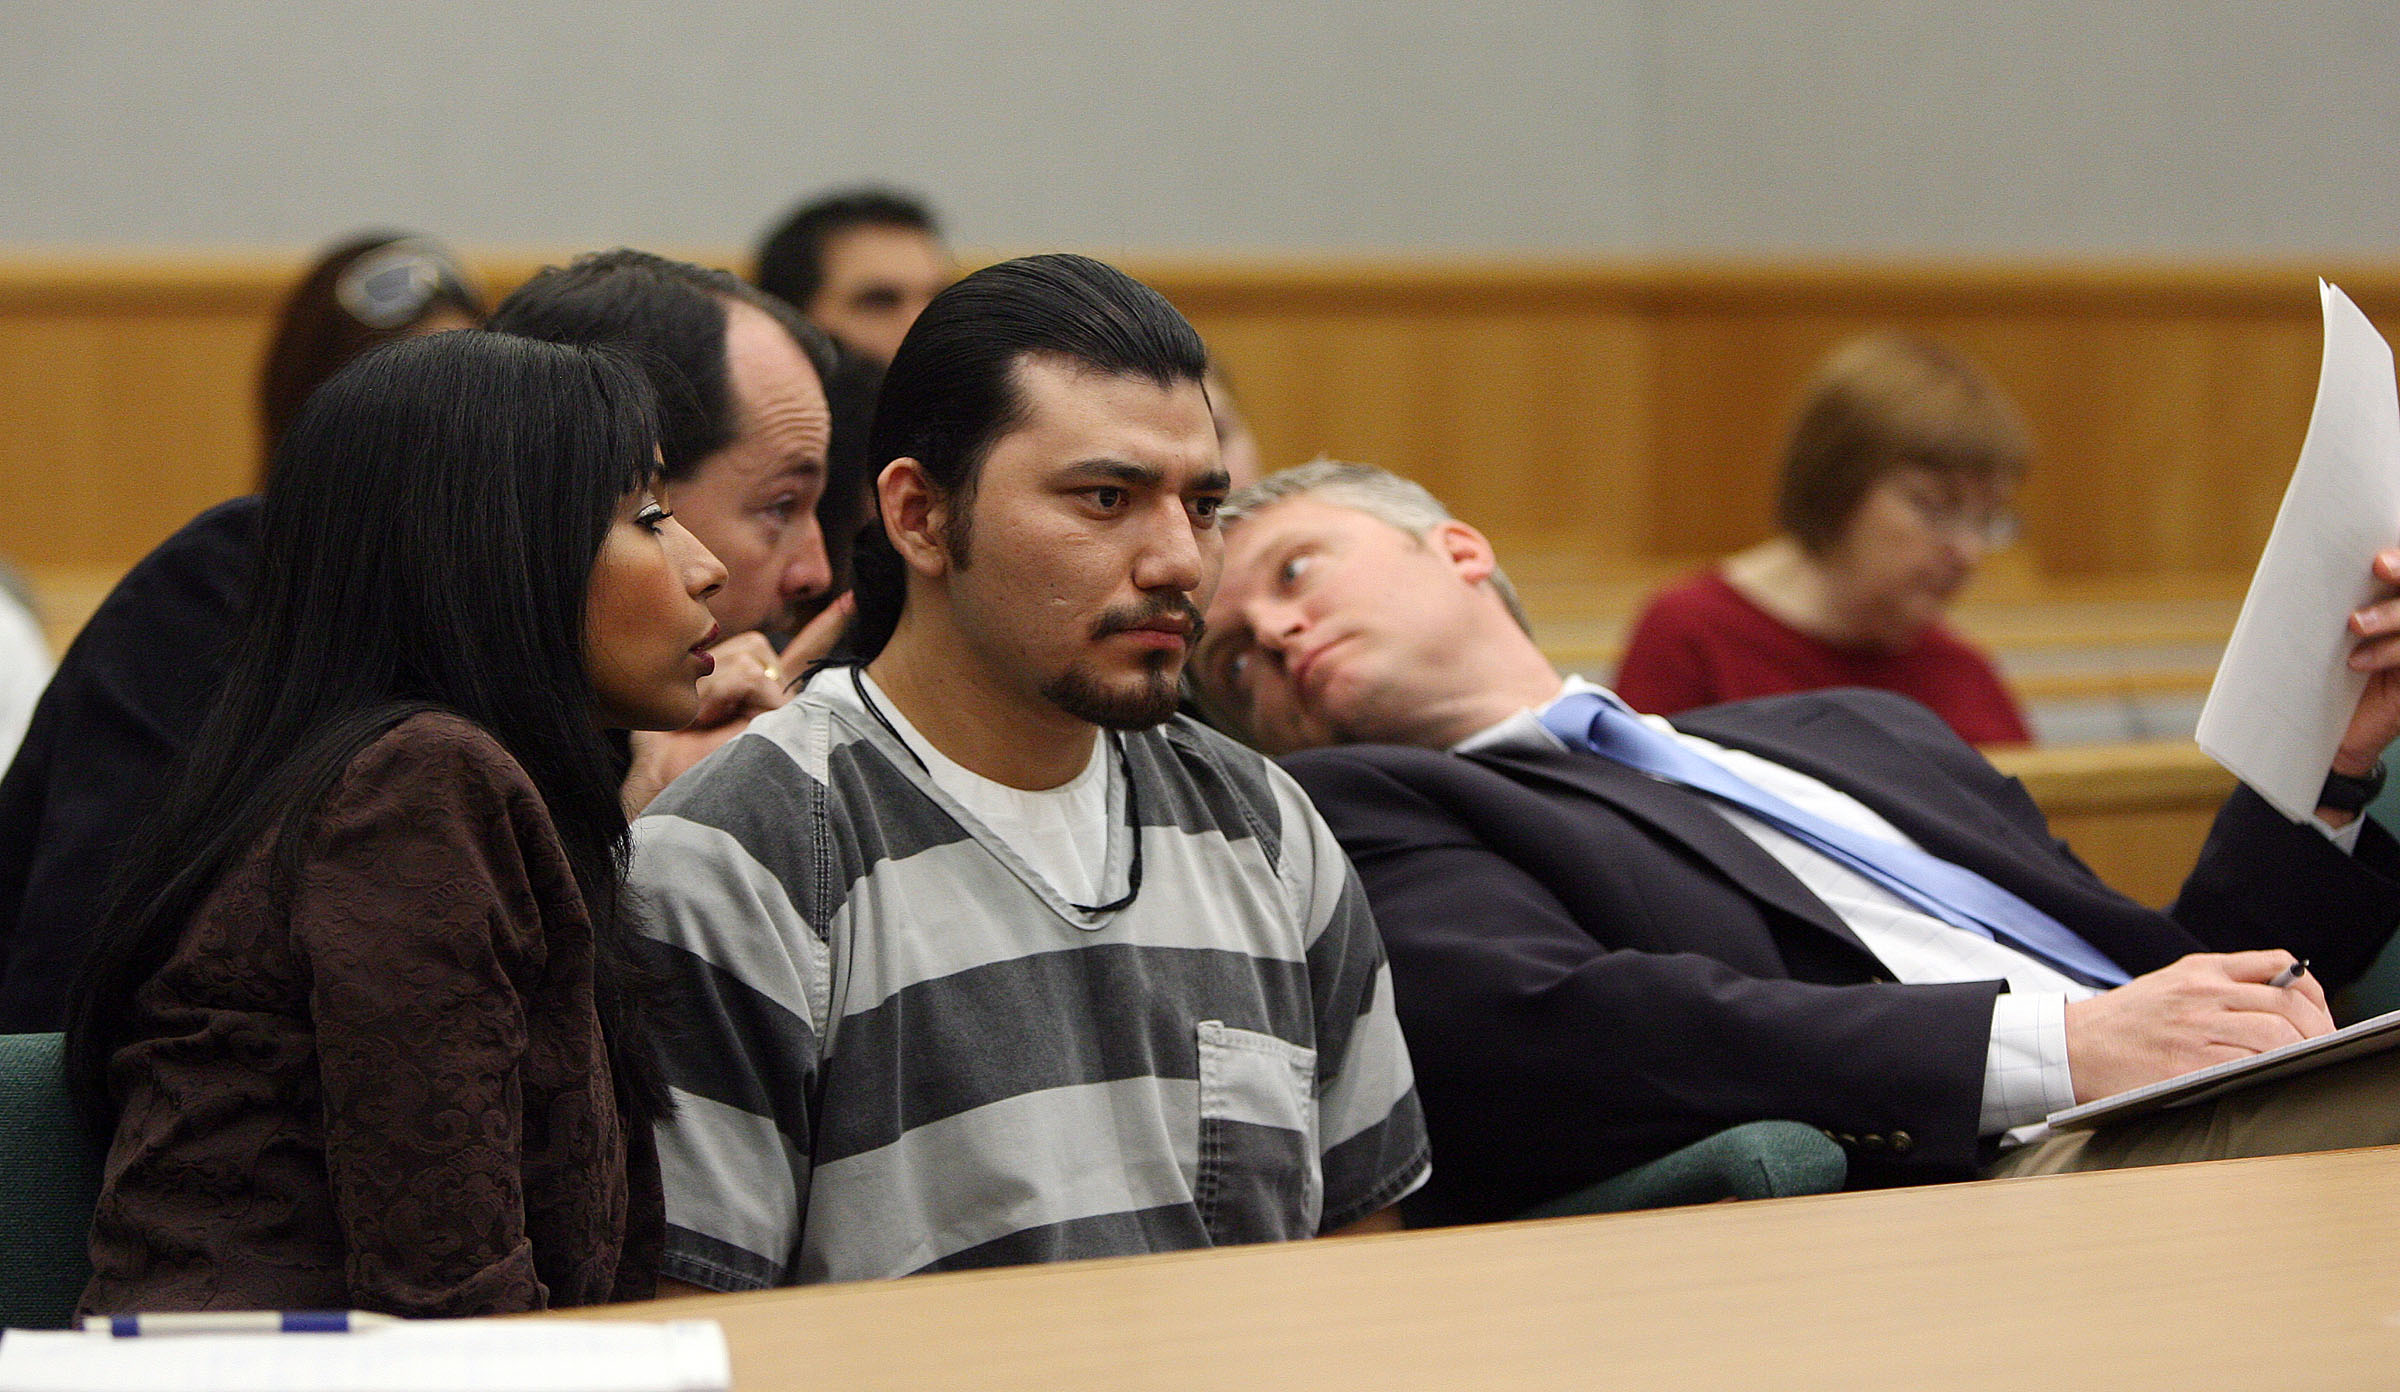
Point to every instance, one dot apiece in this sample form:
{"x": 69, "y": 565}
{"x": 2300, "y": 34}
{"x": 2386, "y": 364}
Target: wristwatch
{"x": 2344, "y": 793}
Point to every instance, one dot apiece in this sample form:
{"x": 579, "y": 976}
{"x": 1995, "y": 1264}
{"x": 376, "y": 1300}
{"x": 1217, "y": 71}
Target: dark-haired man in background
{"x": 862, "y": 264}
{"x": 744, "y": 431}
{"x": 985, "y": 955}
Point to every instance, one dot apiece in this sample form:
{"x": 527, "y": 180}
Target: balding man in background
{"x": 744, "y": 431}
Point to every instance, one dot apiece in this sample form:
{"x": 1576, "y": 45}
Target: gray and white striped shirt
{"x": 899, "y": 1049}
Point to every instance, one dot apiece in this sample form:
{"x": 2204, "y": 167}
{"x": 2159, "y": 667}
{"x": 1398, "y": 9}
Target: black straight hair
{"x": 428, "y": 544}
{"x": 672, "y": 314}
{"x": 952, "y": 389}
{"x": 791, "y": 261}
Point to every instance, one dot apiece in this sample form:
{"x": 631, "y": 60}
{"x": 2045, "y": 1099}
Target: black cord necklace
{"x": 1133, "y": 796}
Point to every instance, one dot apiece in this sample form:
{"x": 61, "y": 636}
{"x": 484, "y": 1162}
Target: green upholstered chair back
{"x": 2378, "y": 992}
{"x": 1759, "y": 1160}
{"x": 49, "y": 1180}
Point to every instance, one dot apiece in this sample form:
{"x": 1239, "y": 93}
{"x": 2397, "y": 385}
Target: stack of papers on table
{"x": 415, "y": 1356}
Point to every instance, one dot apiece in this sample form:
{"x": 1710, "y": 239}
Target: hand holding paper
{"x": 2291, "y": 694}
{"x": 2377, "y": 722}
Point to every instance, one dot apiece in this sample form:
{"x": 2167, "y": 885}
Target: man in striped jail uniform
{"x": 983, "y": 955}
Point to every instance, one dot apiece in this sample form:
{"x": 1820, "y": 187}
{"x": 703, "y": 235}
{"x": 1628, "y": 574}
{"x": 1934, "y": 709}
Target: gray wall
{"x": 2023, "y": 125}
{"x": 1550, "y": 125}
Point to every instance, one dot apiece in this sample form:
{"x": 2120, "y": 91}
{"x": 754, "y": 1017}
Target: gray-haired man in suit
{"x": 1597, "y": 964}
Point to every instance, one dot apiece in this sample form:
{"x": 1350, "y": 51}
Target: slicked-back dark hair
{"x": 953, "y": 388}
{"x": 673, "y": 314}
{"x": 428, "y": 544}
{"x": 791, "y": 261}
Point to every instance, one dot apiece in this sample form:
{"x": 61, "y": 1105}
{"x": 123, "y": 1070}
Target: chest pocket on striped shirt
{"x": 1259, "y": 1177}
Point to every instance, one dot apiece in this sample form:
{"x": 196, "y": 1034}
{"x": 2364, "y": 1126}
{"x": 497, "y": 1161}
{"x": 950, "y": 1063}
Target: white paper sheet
{"x": 418, "y": 1356}
{"x": 2285, "y": 692}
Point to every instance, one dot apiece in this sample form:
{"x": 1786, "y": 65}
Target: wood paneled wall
{"x": 126, "y": 395}
{"x": 1632, "y": 415}
{"x": 1599, "y": 419}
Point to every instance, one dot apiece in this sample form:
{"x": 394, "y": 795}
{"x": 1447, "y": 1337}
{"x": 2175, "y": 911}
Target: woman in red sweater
{"x": 1896, "y": 482}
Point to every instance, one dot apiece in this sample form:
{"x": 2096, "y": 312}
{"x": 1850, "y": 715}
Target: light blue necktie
{"x": 1951, "y": 893}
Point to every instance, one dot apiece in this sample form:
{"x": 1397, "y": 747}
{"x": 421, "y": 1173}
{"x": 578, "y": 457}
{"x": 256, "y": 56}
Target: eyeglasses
{"x": 389, "y": 287}
{"x": 1943, "y": 508}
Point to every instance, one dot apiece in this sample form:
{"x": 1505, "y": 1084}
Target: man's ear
{"x": 1468, "y": 551}
{"x": 916, "y": 516}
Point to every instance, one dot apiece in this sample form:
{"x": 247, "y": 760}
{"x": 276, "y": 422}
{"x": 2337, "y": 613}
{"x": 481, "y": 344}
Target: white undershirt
{"x": 1061, "y": 832}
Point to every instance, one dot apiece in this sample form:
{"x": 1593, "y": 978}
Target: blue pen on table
{"x": 235, "y": 1322}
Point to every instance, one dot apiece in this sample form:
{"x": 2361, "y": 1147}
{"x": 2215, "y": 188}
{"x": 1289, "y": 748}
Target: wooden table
{"x": 2251, "y": 1273}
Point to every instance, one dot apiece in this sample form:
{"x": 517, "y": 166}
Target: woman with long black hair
{"x": 362, "y": 1016}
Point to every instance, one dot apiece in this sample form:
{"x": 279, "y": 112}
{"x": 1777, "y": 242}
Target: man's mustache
{"x": 1149, "y": 613}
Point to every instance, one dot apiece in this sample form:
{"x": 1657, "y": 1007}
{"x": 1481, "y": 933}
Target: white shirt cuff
{"x": 2025, "y": 1076}
{"x": 2344, "y": 836}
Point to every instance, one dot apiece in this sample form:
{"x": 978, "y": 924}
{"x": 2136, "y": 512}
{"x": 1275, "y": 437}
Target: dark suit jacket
{"x": 104, "y": 744}
{"x": 1594, "y": 969}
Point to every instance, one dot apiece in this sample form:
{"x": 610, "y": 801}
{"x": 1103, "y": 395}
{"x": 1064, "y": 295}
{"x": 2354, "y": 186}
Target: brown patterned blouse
{"x": 395, "y": 1095}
